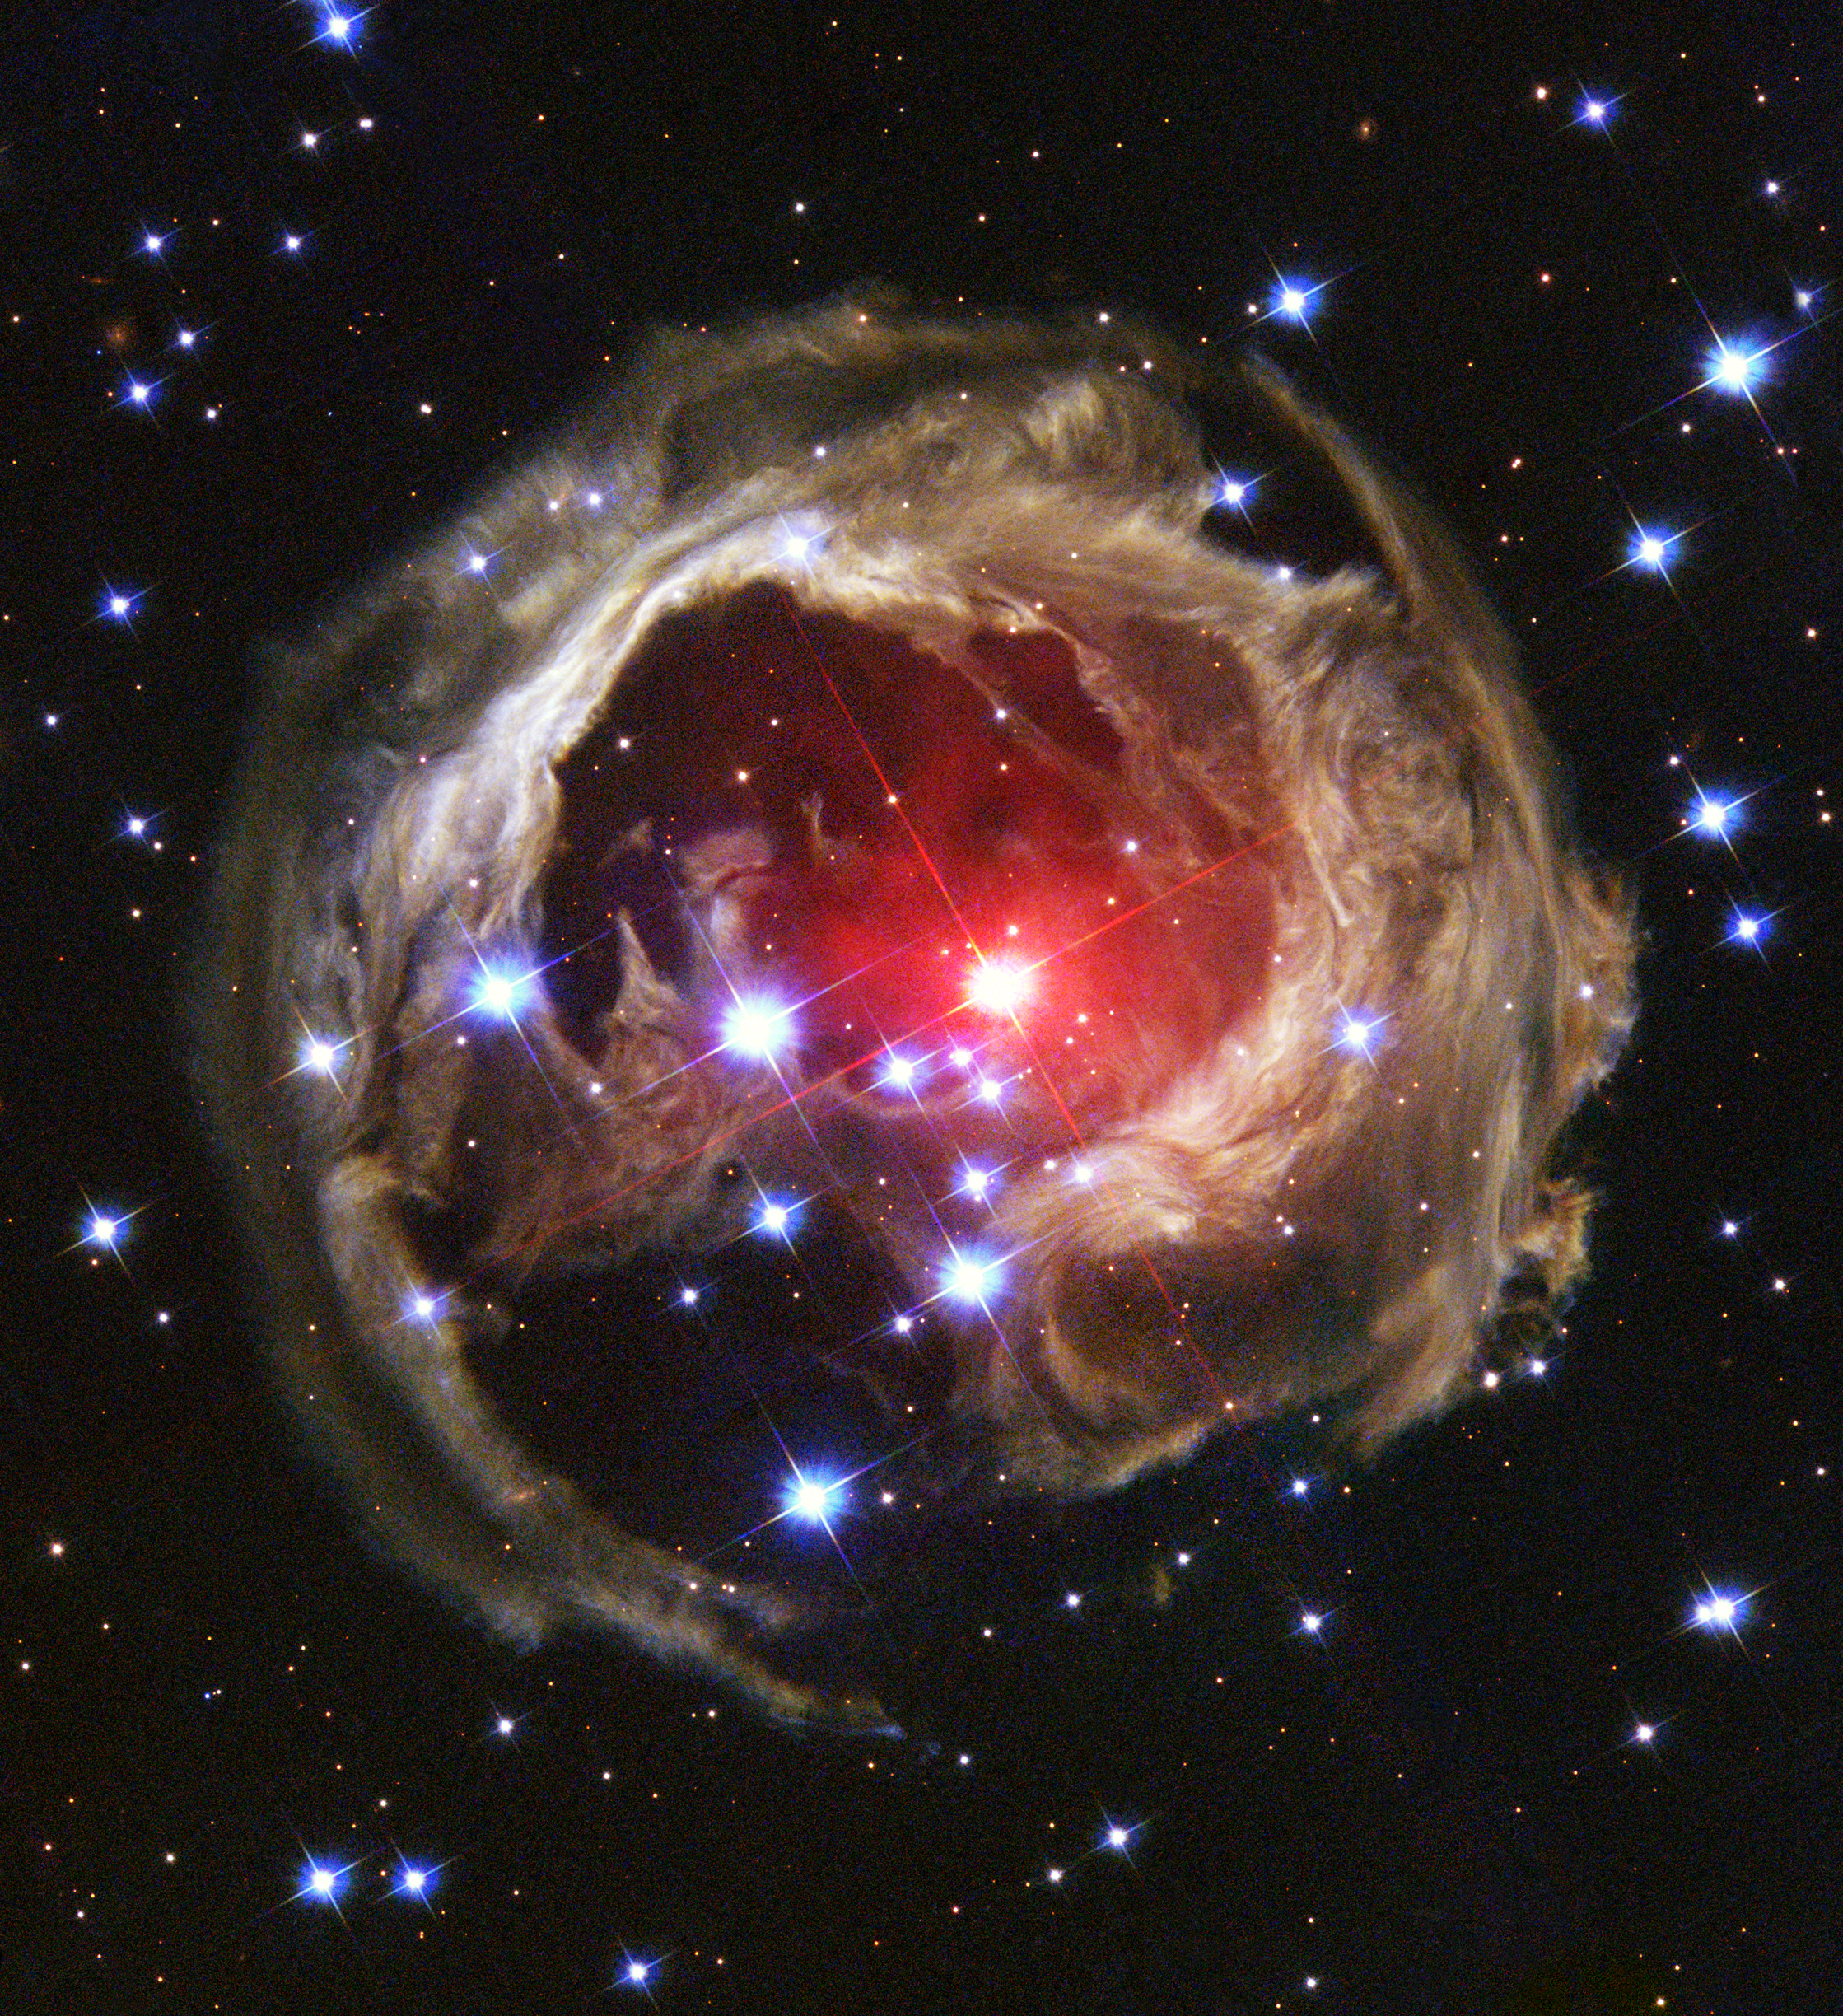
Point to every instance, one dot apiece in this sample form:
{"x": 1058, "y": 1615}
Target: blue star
{"x": 1652, "y": 549}
{"x": 775, "y": 1220}
{"x": 970, "y": 1277}
{"x": 1716, "y": 817}
{"x": 321, "y": 1883}
{"x": 1359, "y": 1033}
{"x": 756, "y": 1028}
{"x": 1719, "y": 1611}
{"x": 813, "y": 1499}
{"x": 501, "y": 993}
{"x": 1732, "y": 369}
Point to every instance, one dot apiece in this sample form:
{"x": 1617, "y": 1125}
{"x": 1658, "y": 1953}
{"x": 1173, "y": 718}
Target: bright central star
{"x": 969, "y": 1277}
{"x": 1718, "y": 1612}
{"x": 996, "y": 987}
{"x": 811, "y": 1498}
{"x": 1712, "y": 815}
{"x": 1733, "y": 370}
{"x": 500, "y": 994}
{"x": 1356, "y": 1033}
{"x": 757, "y": 1028}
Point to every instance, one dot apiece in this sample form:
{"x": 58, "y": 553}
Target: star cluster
{"x": 1542, "y": 1700}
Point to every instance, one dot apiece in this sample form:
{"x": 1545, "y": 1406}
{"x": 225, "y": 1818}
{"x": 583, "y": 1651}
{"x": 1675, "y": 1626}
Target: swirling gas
{"x": 858, "y": 786}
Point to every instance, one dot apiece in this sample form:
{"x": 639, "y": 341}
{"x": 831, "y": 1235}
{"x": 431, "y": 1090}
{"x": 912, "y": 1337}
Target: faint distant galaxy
{"x": 865, "y": 787}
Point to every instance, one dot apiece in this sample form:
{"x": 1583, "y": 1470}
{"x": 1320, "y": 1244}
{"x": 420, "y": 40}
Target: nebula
{"x": 868, "y": 781}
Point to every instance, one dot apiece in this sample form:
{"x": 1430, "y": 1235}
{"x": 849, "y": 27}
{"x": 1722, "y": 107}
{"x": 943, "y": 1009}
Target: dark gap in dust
{"x": 1293, "y": 513}
{"x": 681, "y": 1420}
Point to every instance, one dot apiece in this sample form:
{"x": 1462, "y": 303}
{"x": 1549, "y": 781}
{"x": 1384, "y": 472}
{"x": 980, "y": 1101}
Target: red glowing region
{"x": 901, "y": 847}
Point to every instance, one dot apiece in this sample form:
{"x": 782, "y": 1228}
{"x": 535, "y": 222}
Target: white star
{"x": 1731, "y": 369}
{"x": 811, "y": 1498}
{"x": 1717, "y": 1612}
{"x": 756, "y": 1028}
{"x": 997, "y": 987}
{"x": 969, "y": 1278}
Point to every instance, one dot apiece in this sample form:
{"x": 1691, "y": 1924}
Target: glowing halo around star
{"x": 757, "y": 1028}
{"x": 1359, "y": 1033}
{"x": 1732, "y": 368}
{"x": 1652, "y": 549}
{"x": 899, "y": 1071}
{"x": 997, "y": 987}
{"x": 810, "y": 1498}
{"x": 970, "y": 1277}
{"x": 1596, "y": 109}
{"x": 500, "y": 994}
{"x": 321, "y": 1883}
{"x": 321, "y": 1056}
{"x": 1716, "y": 817}
{"x": 776, "y": 1219}
{"x": 801, "y": 540}
{"x": 338, "y": 26}
{"x": 1719, "y": 1611}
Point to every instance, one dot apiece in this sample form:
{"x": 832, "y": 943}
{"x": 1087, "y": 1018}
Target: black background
{"x": 1439, "y": 1803}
